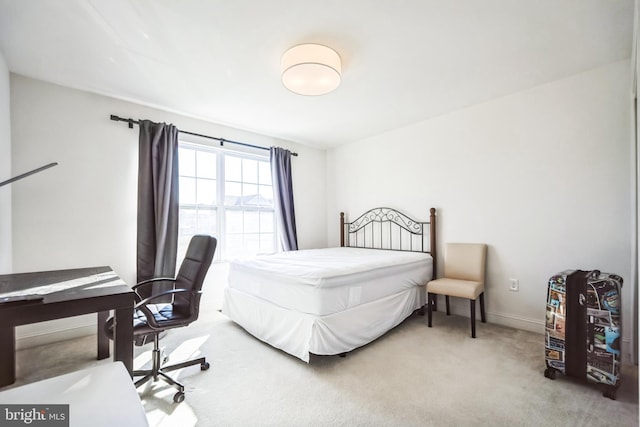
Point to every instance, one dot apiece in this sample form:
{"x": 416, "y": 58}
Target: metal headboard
{"x": 387, "y": 228}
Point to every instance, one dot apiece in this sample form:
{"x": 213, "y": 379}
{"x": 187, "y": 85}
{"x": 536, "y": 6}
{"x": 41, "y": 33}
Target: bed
{"x": 333, "y": 300}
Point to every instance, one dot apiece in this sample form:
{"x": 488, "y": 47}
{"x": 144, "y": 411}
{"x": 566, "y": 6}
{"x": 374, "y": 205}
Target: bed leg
{"x": 343, "y": 355}
{"x": 429, "y": 297}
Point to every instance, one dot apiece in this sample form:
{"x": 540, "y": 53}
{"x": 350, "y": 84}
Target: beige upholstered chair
{"x": 464, "y": 266}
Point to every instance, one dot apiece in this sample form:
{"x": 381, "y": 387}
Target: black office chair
{"x": 151, "y": 319}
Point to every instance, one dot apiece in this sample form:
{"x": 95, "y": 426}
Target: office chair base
{"x": 156, "y": 373}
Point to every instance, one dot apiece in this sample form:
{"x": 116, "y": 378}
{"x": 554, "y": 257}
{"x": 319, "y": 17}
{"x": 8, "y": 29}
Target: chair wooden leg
{"x": 446, "y": 298}
{"x": 429, "y": 308}
{"x": 483, "y": 315}
{"x": 473, "y": 318}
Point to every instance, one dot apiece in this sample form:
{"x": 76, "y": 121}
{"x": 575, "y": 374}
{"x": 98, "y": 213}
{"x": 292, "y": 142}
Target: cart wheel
{"x": 610, "y": 392}
{"x": 178, "y": 397}
{"x": 205, "y": 366}
{"x": 550, "y": 373}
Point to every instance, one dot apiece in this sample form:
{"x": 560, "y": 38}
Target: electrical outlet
{"x": 514, "y": 285}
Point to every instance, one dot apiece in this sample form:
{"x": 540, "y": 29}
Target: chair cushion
{"x": 465, "y": 261}
{"x": 456, "y": 288}
{"x": 142, "y": 332}
{"x": 164, "y": 314}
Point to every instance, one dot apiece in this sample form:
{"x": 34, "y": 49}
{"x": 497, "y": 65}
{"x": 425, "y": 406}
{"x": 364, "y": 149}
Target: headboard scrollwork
{"x": 387, "y": 228}
{"x": 385, "y": 215}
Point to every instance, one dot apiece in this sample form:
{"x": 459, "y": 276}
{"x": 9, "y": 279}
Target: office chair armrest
{"x": 142, "y": 305}
{"x": 151, "y": 281}
{"x": 159, "y": 295}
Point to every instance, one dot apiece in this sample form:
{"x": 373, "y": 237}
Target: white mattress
{"x": 325, "y": 281}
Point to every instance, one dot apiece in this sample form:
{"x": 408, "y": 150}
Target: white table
{"x": 102, "y": 396}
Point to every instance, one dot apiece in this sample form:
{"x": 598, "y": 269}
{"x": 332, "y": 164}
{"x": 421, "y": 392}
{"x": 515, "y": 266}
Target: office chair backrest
{"x": 192, "y": 273}
{"x": 465, "y": 261}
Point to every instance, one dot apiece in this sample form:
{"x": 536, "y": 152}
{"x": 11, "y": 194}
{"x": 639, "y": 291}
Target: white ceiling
{"x": 403, "y": 60}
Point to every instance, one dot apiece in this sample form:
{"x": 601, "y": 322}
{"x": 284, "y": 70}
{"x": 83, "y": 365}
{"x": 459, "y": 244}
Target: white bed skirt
{"x": 300, "y": 334}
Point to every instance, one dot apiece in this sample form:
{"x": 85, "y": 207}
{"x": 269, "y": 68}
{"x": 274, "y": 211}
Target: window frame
{"x": 220, "y": 207}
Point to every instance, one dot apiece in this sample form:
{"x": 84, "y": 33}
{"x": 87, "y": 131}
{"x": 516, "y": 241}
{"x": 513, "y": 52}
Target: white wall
{"x": 5, "y": 169}
{"x": 83, "y": 211}
{"x": 542, "y": 176}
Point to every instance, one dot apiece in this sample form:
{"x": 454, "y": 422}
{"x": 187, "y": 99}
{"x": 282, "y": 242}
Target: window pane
{"x": 186, "y": 162}
{"x": 188, "y": 222}
{"x": 232, "y": 168}
{"x": 206, "y": 164}
{"x": 266, "y": 222}
{"x": 250, "y": 196}
{"x": 233, "y": 243}
{"x": 187, "y": 190}
{"x": 264, "y": 173}
{"x": 188, "y": 226}
{"x": 234, "y": 222}
{"x": 207, "y": 192}
{"x": 251, "y": 244}
{"x": 251, "y": 222}
{"x": 250, "y": 171}
{"x": 266, "y": 243}
{"x": 207, "y": 222}
{"x": 232, "y": 193}
{"x": 266, "y": 195}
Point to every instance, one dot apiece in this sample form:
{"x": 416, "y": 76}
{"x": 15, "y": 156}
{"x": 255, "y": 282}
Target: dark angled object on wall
{"x": 26, "y": 174}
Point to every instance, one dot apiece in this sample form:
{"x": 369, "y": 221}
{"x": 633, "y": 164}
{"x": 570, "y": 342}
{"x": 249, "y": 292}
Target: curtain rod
{"x": 221, "y": 140}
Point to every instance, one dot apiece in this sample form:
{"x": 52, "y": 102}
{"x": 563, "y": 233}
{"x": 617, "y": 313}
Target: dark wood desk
{"x": 66, "y": 293}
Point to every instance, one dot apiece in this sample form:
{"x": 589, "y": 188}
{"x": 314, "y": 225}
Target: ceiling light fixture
{"x": 311, "y": 69}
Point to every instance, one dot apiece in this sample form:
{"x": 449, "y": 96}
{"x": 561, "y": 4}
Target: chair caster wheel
{"x": 178, "y": 397}
{"x": 205, "y": 366}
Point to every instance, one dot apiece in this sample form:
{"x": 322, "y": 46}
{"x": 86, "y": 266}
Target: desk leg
{"x": 7, "y": 356}
{"x": 123, "y": 339}
{"x": 103, "y": 339}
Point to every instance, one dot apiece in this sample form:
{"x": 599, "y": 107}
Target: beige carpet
{"x": 413, "y": 376}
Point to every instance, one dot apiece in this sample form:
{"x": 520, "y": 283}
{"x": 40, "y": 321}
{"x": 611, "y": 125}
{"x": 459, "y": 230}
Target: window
{"x": 228, "y": 195}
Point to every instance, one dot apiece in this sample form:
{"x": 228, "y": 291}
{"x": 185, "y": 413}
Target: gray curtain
{"x": 283, "y": 197}
{"x": 158, "y": 201}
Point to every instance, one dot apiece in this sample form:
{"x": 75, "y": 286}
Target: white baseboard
{"x": 517, "y": 322}
{"x": 537, "y": 326}
{"x": 54, "y": 335}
